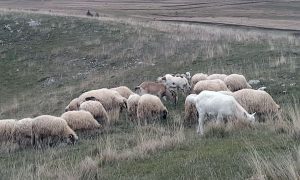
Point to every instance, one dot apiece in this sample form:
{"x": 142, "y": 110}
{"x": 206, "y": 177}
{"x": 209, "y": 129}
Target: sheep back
{"x": 210, "y": 85}
{"x": 80, "y": 120}
{"x": 236, "y": 82}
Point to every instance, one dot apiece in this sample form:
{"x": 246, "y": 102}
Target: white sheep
{"x": 7, "y": 128}
{"x": 50, "y": 126}
{"x": 73, "y": 105}
{"x": 216, "y": 76}
{"x": 157, "y": 89}
{"x": 123, "y": 91}
{"x": 23, "y": 130}
{"x": 132, "y": 104}
{"x": 80, "y": 120}
{"x": 111, "y": 100}
{"x": 150, "y": 108}
{"x": 220, "y": 105}
{"x": 210, "y": 85}
{"x": 97, "y": 110}
{"x": 176, "y": 83}
{"x": 256, "y": 101}
{"x": 236, "y": 82}
{"x": 198, "y": 77}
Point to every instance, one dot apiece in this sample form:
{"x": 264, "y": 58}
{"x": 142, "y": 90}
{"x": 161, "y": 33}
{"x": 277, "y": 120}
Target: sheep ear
{"x": 253, "y": 114}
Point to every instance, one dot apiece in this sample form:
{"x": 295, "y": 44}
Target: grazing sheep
{"x": 210, "y": 85}
{"x": 187, "y": 75}
{"x": 226, "y": 93}
{"x": 51, "y": 126}
{"x": 176, "y": 82}
{"x": 111, "y": 100}
{"x": 216, "y": 76}
{"x": 220, "y": 105}
{"x": 97, "y": 110}
{"x": 132, "y": 104}
{"x": 7, "y": 128}
{"x": 190, "y": 112}
{"x": 256, "y": 101}
{"x": 158, "y": 89}
{"x": 23, "y": 130}
{"x": 150, "y": 108}
{"x": 198, "y": 77}
{"x": 73, "y": 105}
{"x": 123, "y": 91}
{"x": 80, "y": 120}
{"x": 236, "y": 82}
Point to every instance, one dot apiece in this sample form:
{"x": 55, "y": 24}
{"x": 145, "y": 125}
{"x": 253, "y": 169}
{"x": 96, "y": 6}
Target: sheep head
{"x": 164, "y": 114}
{"x": 72, "y": 138}
{"x": 172, "y": 96}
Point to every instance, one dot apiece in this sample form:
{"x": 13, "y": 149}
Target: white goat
{"x": 218, "y": 104}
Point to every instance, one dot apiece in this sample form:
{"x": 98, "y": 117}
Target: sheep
{"x": 176, "y": 83}
{"x": 73, "y": 105}
{"x": 123, "y": 91}
{"x": 158, "y": 89}
{"x": 187, "y": 75}
{"x": 220, "y": 105}
{"x": 198, "y": 77}
{"x": 216, "y": 76}
{"x": 7, "y": 128}
{"x": 80, "y": 120}
{"x": 51, "y": 126}
{"x": 23, "y": 130}
{"x": 150, "y": 108}
{"x": 132, "y": 103}
{"x": 97, "y": 110}
{"x": 236, "y": 82}
{"x": 111, "y": 100}
{"x": 211, "y": 85}
{"x": 190, "y": 112}
{"x": 256, "y": 101}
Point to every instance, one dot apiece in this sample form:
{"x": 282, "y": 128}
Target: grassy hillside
{"x": 43, "y": 67}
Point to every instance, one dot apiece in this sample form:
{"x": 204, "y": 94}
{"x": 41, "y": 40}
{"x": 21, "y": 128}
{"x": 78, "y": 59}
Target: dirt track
{"x": 280, "y": 14}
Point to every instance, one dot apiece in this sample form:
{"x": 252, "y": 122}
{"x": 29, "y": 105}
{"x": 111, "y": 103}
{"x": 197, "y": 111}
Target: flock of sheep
{"x": 220, "y": 95}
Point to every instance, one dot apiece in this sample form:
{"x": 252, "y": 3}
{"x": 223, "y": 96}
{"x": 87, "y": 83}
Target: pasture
{"x": 46, "y": 64}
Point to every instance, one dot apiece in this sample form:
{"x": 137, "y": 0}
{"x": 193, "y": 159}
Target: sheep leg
{"x": 219, "y": 118}
{"x": 201, "y": 122}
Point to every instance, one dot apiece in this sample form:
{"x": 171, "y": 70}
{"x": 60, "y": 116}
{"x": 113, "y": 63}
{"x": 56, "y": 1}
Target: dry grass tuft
{"x": 149, "y": 141}
{"x": 88, "y": 169}
{"x": 280, "y": 166}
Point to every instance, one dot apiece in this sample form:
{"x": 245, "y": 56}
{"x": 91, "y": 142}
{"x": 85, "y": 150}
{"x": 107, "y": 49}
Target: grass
{"x": 42, "y": 68}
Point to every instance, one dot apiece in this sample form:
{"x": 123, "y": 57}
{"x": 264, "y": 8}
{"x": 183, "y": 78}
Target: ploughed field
{"x": 256, "y": 13}
{"x": 47, "y": 60}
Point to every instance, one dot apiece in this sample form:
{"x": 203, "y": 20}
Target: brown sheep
{"x": 157, "y": 89}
